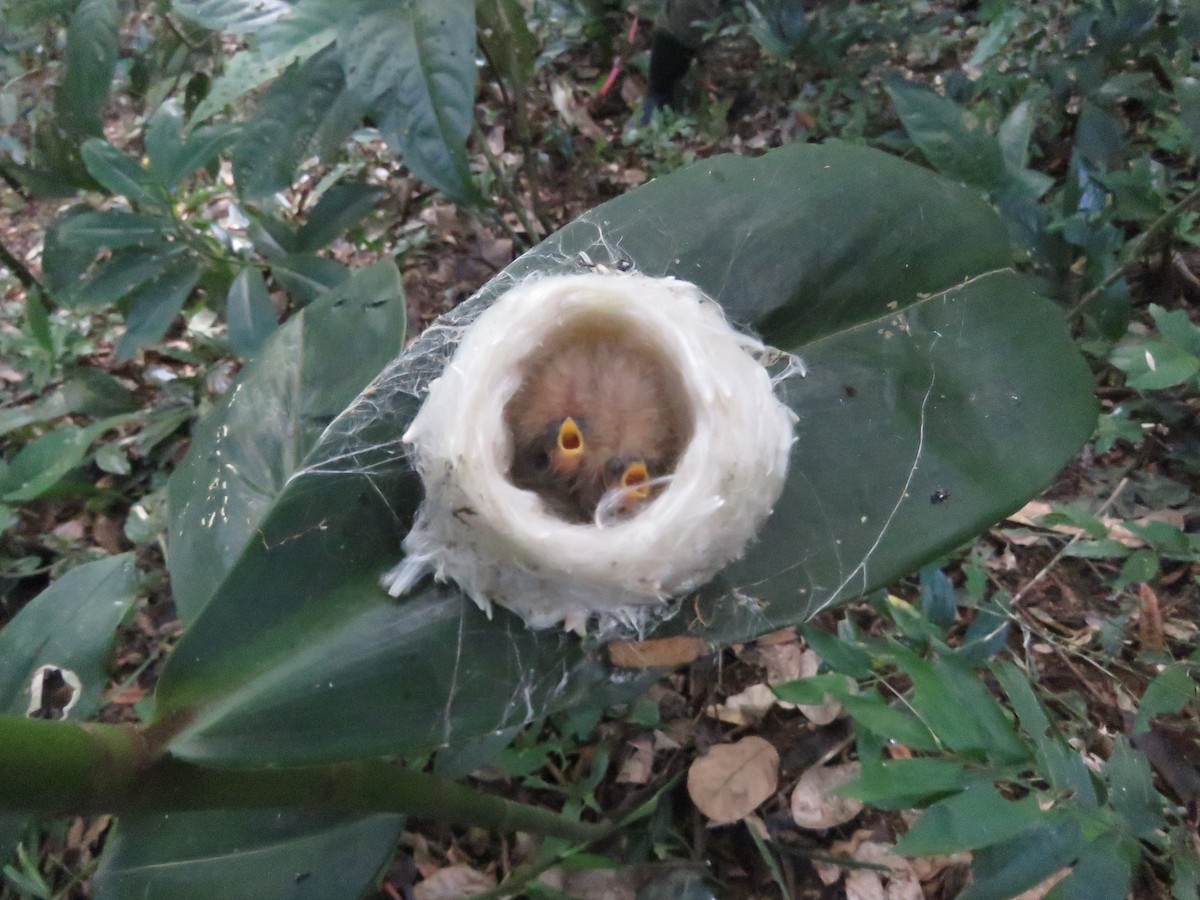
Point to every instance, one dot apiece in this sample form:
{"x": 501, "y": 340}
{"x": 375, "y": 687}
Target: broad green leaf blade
{"x": 306, "y": 276}
{"x": 1056, "y": 758}
{"x": 299, "y": 855}
{"x": 1172, "y": 689}
{"x": 975, "y": 817}
{"x": 951, "y": 138}
{"x": 91, "y": 60}
{"x": 172, "y": 158}
{"x": 111, "y": 229}
{"x": 292, "y": 39}
{"x": 1132, "y": 795}
{"x": 249, "y": 312}
{"x": 1005, "y": 870}
{"x": 234, "y": 16}
{"x": 307, "y": 372}
{"x": 116, "y": 277}
{"x": 1154, "y": 365}
{"x": 120, "y": 175}
{"x": 153, "y": 306}
{"x": 1104, "y": 870}
{"x": 931, "y": 368}
{"x": 342, "y": 206}
{"x": 413, "y": 64}
{"x": 905, "y": 783}
{"x": 70, "y": 625}
{"x": 64, "y": 258}
{"x": 290, "y": 112}
{"x": 39, "y": 465}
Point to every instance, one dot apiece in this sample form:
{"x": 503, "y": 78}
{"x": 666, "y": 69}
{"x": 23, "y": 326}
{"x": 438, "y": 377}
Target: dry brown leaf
{"x": 783, "y": 662}
{"x": 731, "y": 780}
{"x": 639, "y": 763}
{"x": 664, "y": 652}
{"x": 573, "y": 113}
{"x": 814, "y": 805}
{"x": 782, "y": 636}
{"x": 899, "y": 883}
{"x": 601, "y": 884}
{"x": 745, "y": 707}
{"x": 108, "y": 534}
{"x": 452, "y": 883}
{"x": 1150, "y": 623}
{"x": 1031, "y": 512}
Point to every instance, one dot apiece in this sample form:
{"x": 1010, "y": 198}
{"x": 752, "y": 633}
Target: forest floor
{"x": 589, "y": 154}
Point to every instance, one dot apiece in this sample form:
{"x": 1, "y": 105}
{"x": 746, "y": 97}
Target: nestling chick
{"x": 599, "y": 409}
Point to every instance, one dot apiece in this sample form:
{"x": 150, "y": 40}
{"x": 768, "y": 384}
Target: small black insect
{"x": 851, "y": 390}
{"x": 939, "y": 496}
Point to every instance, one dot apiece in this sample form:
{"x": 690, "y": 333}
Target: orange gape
{"x": 597, "y": 411}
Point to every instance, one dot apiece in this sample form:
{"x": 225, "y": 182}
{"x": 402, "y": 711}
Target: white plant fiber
{"x": 499, "y": 542}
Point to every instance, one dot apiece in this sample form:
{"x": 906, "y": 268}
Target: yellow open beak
{"x": 568, "y": 451}
{"x": 636, "y": 481}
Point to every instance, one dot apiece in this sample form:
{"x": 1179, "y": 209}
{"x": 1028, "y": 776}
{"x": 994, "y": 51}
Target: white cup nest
{"x": 505, "y": 544}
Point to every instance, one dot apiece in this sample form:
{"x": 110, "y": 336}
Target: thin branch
{"x": 531, "y": 233}
{"x": 1136, "y": 248}
{"x": 1045, "y": 570}
{"x": 19, "y": 269}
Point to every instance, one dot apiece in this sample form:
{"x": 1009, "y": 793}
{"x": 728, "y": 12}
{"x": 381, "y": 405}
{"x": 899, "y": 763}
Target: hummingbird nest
{"x": 597, "y": 445}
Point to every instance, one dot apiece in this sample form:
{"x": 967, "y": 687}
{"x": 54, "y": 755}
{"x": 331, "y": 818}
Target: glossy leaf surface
{"x": 242, "y": 457}
{"x": 270, "y": 854}
{"x": 70, "y": 625}
{"x": 941, "y": 393}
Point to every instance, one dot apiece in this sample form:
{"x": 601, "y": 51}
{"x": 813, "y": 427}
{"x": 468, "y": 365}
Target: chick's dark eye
{"x": 615, "y": 468}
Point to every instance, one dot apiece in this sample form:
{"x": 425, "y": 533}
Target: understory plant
{"x": 299, "y": 684}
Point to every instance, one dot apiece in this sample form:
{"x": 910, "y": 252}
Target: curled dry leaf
{"x": 664, "y": 652}
{"x": 902, "y": 879}
{"x": 899, "y": 883}
{"x": 639, "y": 763}
{"x": 814, "y": 803}
{"x": 746, "y": 707}
{"x": 732, "y": 780}
{"x": 452, "y": 883}
{"x": 1032, "y": 512}
{"x": 820, "y": 713}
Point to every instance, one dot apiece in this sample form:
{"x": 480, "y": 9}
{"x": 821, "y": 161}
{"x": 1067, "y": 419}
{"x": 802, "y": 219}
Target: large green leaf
{"x": 91, "y": 59}
{"x": 293, "y": 38}
{"x": 236, "y": 16}
{"x": 264, "y": 855}
{"x": 941, "y": 393}
{"x": 249, "y": 311}
{"x": 70, "y": 625}
{"x": 285, "y": 123}
{"x": 951, "y": 138}
{"x": 152, "y": 306}
{"x": 122, "y": 175}
{"x": 414, "y": 63}
{"x": 243, "y": 457}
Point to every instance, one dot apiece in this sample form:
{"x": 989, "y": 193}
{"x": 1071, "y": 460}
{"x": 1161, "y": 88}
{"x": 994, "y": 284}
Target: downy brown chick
{"x": 598, "y": 409}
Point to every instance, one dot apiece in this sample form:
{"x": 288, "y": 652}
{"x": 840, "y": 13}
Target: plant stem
{"x": 19, "y": 269}
{"x": 531, "y": 234}
{"x": 1136, "y": 248}
{"x": 63, "y": 768}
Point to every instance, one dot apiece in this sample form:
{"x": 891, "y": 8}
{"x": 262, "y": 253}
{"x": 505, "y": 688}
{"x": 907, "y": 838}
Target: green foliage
{"x": 149, "y": 262}
{"x": 1002, "y": 780}
{"x": 302, "y": 533}
{"x": 1080, "y": 123}
{"x": 409, "y": 67}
